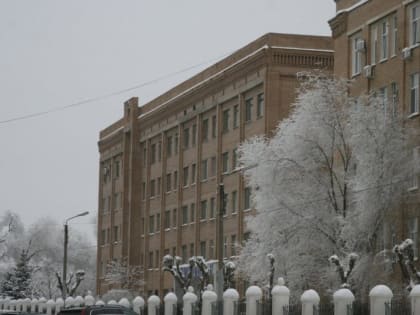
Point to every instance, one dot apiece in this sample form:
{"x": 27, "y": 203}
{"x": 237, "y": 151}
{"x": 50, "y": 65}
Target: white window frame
{"x": 415, "y": 24}
{"x": 413, "y": 234}
{"x": 394, "y": 46}
{"x": 373, "y": 45}
{"x": 356, "y": 56}
{"x": 384, "y": 40}
{"x": 414, "y": 94}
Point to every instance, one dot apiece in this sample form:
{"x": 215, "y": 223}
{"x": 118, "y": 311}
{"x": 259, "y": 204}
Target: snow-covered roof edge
{"x": 354, "y": 6}
{"x": 226, "y": 69}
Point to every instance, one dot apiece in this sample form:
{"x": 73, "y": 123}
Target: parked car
{"x": 97, "y": 310}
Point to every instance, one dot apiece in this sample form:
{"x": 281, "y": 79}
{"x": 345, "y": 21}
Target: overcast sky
{"x": 57, "y": 53}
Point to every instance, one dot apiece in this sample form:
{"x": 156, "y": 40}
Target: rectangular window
{"x": 211, "y": 249}
{"x": 373, "y": 45}
{"x": 153, "y": 154}
{"x": 143, "y": 190}
{"x": 233, "y": 245}
{"x": 176, "y": 144}
{"x": 194, "y": 135}
{"x": 157, "y": 259}
{"x": 152, "y": 224}
{"x": 168, "y": 182}
{"x": 260, "y": 105}
{"x": 152, "y": 188}
{"x": 235, "y": 116}
{"x": 169, "y": 146}
{"x": 415, "y": 176}
{"x": 414, "y": 93}
{"x": 356, "y": 55}
{"x": 213, "y": 126}
{"x": 158, "y": 184}
{"x": 144, "y": 155}
{"x": 384, "y": 40}
{"x": 167, "y": 219}
{"x": 103, "y": 237}
{"x": 415, "y": 25}
{"x": 186, "y": 138}
{"x": 192, "y": 250}
{"x": 184, "y": 253}
{"x": 192, "y": 212}
{"x": 159, "y": 151}
{"x": 234, "y": 158}
{"x": 203, "y": 249}
{"x": 185, "y": 176}
{"x": 175, "y": 180}
{"x": 158, "y": 222}
{"x": 116, "y": 233}
{"x": 413, "y": 232}
{"x": 225, "y": 245}
{"x": 225, "y": 202}
{"x": 184, "y": 214}
{"x": 203, "y": 210}
{"x": 117, "y": 165}
{"x": 248, "y": 110}
{"x": 394, "y": 99}
{"x": 225, "y": 162}
{"x": 247, "y": 198}
{"x": 213, "y": 166}
{"x": 150, "y": 260}
{"x": 204, "y": 170}
{"x": 394, "y": 45}
{"x": 193, "y": 173}
{"x": 225, "y": 126}
{"x": 234, "y": 201}
{"x": 174, "y": 218}
{"x": 383, "y": 94}
{"x": 205, "y": 130}
{"x": 212, "y": 207}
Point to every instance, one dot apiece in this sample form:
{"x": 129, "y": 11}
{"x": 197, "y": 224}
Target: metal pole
{"x": 64, "y": 278}
{"x": 220, "y": 243}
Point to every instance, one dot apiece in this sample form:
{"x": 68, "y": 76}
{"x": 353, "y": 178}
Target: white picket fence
{"x": 380, "y": 296}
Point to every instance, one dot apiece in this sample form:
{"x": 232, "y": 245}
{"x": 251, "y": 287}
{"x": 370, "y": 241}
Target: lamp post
{"x": 66, "y": 238}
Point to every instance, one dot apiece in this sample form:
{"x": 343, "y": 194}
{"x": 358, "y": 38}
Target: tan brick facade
{"x": 160, "y": 164}
{"x": 377, "y": 45}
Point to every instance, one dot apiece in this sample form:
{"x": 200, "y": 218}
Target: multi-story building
{"x": 161, "y": 163}
{"x": 377, "y": 45}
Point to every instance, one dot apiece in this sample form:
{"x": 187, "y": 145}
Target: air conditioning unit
{"x": 368, "y": 71}
{"x": 406, "y": 53}
{"x": 360, "y": 45}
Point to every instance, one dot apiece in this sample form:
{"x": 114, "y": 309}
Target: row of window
{"x": 208, "y": 169}
{"x": 190, "y": 133}
{"x": 106, "y": 237}
{"x": 108, "y": 168}
{"x": 116, "y": 202}
{"x": 207, "y": 211}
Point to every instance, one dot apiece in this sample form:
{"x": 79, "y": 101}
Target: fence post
{"x": 124, "y": 302}
{"x": 280, "y": 297}
{"x": 138, "y": 304}
{"x": 415, "y": 299}
{"x": 253, "y": 295}
{"x": 78, "y": 301}
{"x": 25, "y": 304}
{"x": 34, "y": 302}
{"x": 230, "y": 297}
{"x": 309, "y": 299}
{"x": 89, "y": 300}
{"x": 170, "y": 301}
{"x": 379, "y": 296}
{"x": 50, "y": 305}
{"x": 153, "y": 303}
{"x": 112, "y": 302}
{"x": 68, "y": 302}
{"x": 100, "y": 302}
{"x": 342, "y": 299}
{"x": 41, "y": 305}
{"x": 12, "y": 305}
{"x": 209, "y": 297}
{"x": 59, "y": 304}
{"x": 189, "y": 298}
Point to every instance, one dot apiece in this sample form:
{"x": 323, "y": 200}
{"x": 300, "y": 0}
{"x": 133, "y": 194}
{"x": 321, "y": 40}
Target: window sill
{"x": 383, "y": 60}
{"x": 355, "y": 74}
{"x": 412, "y": 115}
{"x": 411, "y": 189}
{"x": 167, "y": 229}
{"x": 203, "y": 220}
{"x": 247, "y": 210}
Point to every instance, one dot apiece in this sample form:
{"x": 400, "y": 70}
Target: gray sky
{"x": 57, "y": 53}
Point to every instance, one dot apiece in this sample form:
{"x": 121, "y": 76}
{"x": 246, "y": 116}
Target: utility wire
{"x": 108, "y": 95}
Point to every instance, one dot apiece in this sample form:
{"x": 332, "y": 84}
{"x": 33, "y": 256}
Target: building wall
{"x": 194, "y": 128}
{"x": 386, "y": 29}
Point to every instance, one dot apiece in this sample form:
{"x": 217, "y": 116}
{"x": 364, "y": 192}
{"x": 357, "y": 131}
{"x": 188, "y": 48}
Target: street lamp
{"x": 66, "y": 237}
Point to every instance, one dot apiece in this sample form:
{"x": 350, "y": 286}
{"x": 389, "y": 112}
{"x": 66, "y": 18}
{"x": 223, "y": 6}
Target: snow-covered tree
{"x": 324, "y": 183}
{"x": 123, "y": 275}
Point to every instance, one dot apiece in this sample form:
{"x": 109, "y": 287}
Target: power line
{"x": 108, "y": 95}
